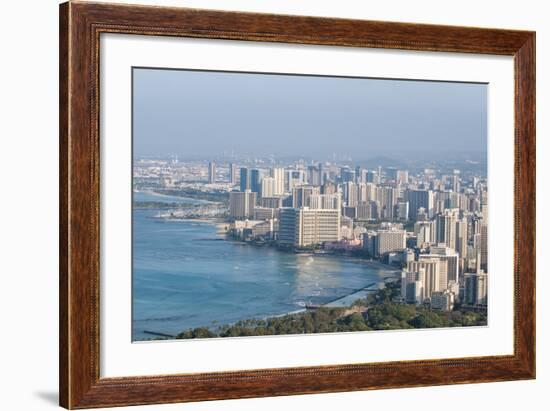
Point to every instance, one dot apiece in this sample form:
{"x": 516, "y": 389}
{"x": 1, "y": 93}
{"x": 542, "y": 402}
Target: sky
{"x": 203, "y": 114}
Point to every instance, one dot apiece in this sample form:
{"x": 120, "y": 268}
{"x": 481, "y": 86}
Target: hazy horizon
{"x": 210, "y": 114}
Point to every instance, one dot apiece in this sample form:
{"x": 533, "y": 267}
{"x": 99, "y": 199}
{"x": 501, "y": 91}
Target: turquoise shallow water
{"x": 186, "y": 275}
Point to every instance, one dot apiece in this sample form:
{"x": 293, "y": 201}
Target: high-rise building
{"x": 268, "y": 187}
{"x": 313, "y": 176}
{"x": 450, "y": 263}
{"x": 362, "y": 194}
{"x": 368, "y": 238}
{"x": 371, "y": 189}
{"x": 402, "y": 210}
{"x": 358, "y": 174}
{"x": 412, "y": 285}
{"x": 347, "y": 175}
{"x": 454, "y": 183}
{"x": 350, "y": 193}
{"x": 473, "y": 204}
{"x": 301, "y": 227}
{"x": 446, "y": 227}
{"x": 443, "y": 300}
{"x": 451, "y": 199}
{"x": 391, "y": 172}
{"x": 402, "y": 177}
{"x": 425, "y": 233}
{"x": 262, "y": 213}
{"x": 367, "y": 210}
{"x": 211, "y": 172}
{"x": 328, "y": 188}
{"x": 483, "y": 205}
{"x": 455, "y": 200}
{"x": 461, "y": 243}
{"x": 476, "y": 222}
{"x": 321, "y": 177}
{"x": 398, "y": 176}
{"x": 324, "y": 201}
{"x": 455, "y": 289}
{"x": 421, "y": 214}
{"x": 475, "y": 288}
{"x": 233, "y": 173}
{"x": 432, "y": 274}
{"x": 301, "y": 194}
{"x": 366, "y": 192}
{"x": 289, "y": 181}
{"x": 373, "y": 177}
{"x": 470, "y": 261}
{"x": 271, "y": 202}
{"x": 387, "y": 198}
{"x": 278, "y": 175}
{"x": 241, "y": 204}
{"x": 483, "y": 248}
{"x": 440, "y": 281}
{"x": 294, "y": 178}
{"x": 388, "y": 241}
{"x": 256, "y": 176}
{"x": 362, "y": 177}
{"x": 290, "y": 227}
{"x": 265, "y": 229}
{"x": 420, "y": 198}
{"x": 245, "y": 179}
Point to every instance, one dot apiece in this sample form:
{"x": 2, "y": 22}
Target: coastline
{"x": 220, "y": 224}
{"x": 363, "y": 314}
{"x": 348, "y": 299}
{"x": 162, "y": 195}
{"x": 338, "y": 301}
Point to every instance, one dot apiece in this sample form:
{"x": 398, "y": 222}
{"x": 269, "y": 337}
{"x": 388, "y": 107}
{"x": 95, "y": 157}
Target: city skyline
{"x": 278, "y": 115}
{"x": 431, "y": 225}
{"x": 280, "y": 204}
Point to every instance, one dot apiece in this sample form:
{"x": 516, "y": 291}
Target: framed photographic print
{"x": 258, "y": 205}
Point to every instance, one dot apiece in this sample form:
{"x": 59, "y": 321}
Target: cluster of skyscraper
{"x": 432, "y": 224}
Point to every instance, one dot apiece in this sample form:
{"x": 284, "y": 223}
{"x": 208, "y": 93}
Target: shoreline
{"x": 333, "y": 318}
{"x": 360, "y": 260}
{"x": 161, "y": 195}
{"x": 371, "y": 287}
{"x": 220, "y": 223}
{"x": 216, "y": 221}
{"x": 342, "y": 301}
{"x": 355, "y": 295}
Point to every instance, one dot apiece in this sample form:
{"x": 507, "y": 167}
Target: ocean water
{"x": 186, "y": 275}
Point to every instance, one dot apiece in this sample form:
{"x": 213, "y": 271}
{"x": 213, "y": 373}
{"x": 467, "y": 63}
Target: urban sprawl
{"x": 431, "y": 223}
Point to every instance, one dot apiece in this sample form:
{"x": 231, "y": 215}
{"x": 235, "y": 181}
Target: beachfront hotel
{"x": 241, "y": 204}
{"x": 302, "y": 227}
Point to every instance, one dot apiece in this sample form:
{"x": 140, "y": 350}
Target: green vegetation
{"x": 379, "y": 311}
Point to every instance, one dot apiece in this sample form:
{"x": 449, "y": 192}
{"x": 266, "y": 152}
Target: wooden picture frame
{"x": 80, "y": 27}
